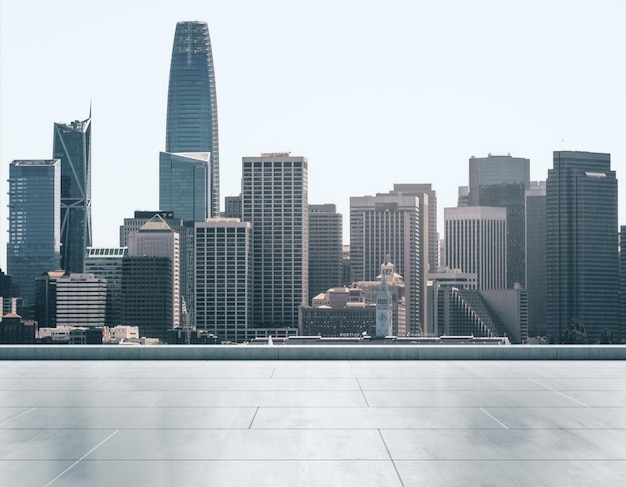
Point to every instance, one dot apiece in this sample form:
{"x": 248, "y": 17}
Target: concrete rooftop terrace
{"x": 312, "y": 422}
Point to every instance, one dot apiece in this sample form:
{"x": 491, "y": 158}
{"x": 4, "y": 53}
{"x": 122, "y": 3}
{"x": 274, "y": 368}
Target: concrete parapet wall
{"x": 314, "y": 352}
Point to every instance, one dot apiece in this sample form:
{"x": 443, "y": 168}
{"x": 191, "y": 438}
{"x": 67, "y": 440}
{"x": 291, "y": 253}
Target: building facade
{"x": 386, "y": 227}
{"x": 34, "y": 245}
{"x": 275, "y": 201}
{"x": 582, "y": 247}
{"x": 184, "y": 185}
{"x": 106, "y": 263}
{"x": 147, "y": 289}
{"x": 223, "y": 276}
{"x": 501, "y": 181}
{"x": 81, "y": 300}
{"x": 192, "y": 102}
{"x": 325, "y": 248}
{"x": 536, "y": 258}
{"x": 476, "y": 242}
{"x": 186, "y": 255}
{"x": 72, "y": 146}
{"x": 431, "y": 235}
{"x": 157, "y": 239}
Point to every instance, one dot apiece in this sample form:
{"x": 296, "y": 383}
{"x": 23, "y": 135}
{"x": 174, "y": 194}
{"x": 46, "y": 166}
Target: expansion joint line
{"x": 390, "y": 457}
{"x": 81, "y": 458}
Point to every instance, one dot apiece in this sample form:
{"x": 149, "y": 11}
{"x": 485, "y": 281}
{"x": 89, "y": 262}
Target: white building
{"x": 476, "y": 243}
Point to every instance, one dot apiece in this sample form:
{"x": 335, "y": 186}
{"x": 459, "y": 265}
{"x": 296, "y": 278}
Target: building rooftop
{"x": 310, "y": 422}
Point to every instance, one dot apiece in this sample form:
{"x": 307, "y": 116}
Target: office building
{"x": 582, "y": 261}
{"x": 536, "y": 258}
{"x": 34, "y": 245}
{"x": 495, "y": 170}
{"x": 275, "y": 201}
{"x": 232, "y": 207}
{"x": 501, "y": 181}
{"x": 325, "y": 248}
{"x": 223, "y": 276}
{"x": 476, "y": 242}
{"x": 106, "y": 263}
{"x": 387, "y": 227}
{"x": 431, "y": 236}
{"x": 622, "y": 286}
{"x": 186, "y": 256}
{"x": 70, "y": 300}
{"x": 72, "y": 146}
{"x": 81, "y": 300}
{"x": 147, "y": 295}
{"x": 184, "y": 185}
{"x": 157, "y": 239}
{"x": 192, "y": 102}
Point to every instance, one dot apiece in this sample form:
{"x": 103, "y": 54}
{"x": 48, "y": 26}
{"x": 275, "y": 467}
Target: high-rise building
{"x": 185, "y": 232}
{"x": 157, "y": 239}
{"x": 622, "y": 285}
{"x": 536, "y": 258}
{"x": 106, "y": 263}
{"x": 582, "y": 262}
{"x": 223, "y": 276}
{"x": 232, "y": 207}
{"x": 275, "y": 201}
{"x": 72, "y": 146}
{"x": 34, "y": 222}
{"x": 500, "y": 181}
{"x": 192, "y": 102}
{"x": 184, "y": 185}
{"x": 495, "y": 170}
{"x": 325, "y": 248}
{"x": 147, "y": 288}
{"x": 70, "y": 300}
{"x": 387, "y": 227}
{"x": 81, "y": 300}
{"x": 476, "y": 243}
{"x": 431, "y": 235}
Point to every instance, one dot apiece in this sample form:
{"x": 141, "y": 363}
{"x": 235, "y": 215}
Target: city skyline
{"x": 433, "y": 85}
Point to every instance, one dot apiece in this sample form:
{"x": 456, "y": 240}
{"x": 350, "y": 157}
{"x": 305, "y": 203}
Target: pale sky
{"x": 371, "y": 92}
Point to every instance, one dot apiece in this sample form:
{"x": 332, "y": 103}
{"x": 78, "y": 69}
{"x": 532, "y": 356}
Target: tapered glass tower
{"x": 192, "y": 102}
{"x": 72, "y": 146}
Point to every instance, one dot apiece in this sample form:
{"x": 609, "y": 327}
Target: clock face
{"x": 382, "y": 316}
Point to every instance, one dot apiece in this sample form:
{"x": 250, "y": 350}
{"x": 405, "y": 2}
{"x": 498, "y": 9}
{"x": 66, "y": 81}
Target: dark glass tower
{"x": 192, "y": 102}
{"x": 582, "y": 276}
{"x": 34, "y": 222}
{"x": 72, "y": 146}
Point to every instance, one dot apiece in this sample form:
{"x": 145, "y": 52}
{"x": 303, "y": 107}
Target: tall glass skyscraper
{"x": 582, "y": 263}
{"x": 192, "y": 102}
{"x": 183, "y": 185}
{"x": 34, "y": 222}
{"x": 72, "y": 146}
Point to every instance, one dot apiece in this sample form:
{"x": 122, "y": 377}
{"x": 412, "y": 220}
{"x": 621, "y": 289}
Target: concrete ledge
{"x": 314, "y": 352}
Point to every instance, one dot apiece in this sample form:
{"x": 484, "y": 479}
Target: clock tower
{"x": 383, "y": 310}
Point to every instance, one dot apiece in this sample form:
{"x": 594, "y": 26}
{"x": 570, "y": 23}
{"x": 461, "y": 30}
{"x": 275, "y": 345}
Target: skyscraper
{"x": 383, "y": 227}
{"x": 106, "y": 263}
{"x": 536, "y": 258}
{"x": 157, "y": 239}
{"x": 476, "y": 243}
{"x": 275, "y": 201}
{"x": 325, "y": 248}
{"x": 72, "y": 146}
{"x": 500, "y": 181}
{"x": 223, "y": 273}
{"x": 184, "y": 185}
{"x": 582, "y": 262}
{"x": 430, "y": 238}
{"x": 34, "y": 222}
{"x": 192, "y": 101}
